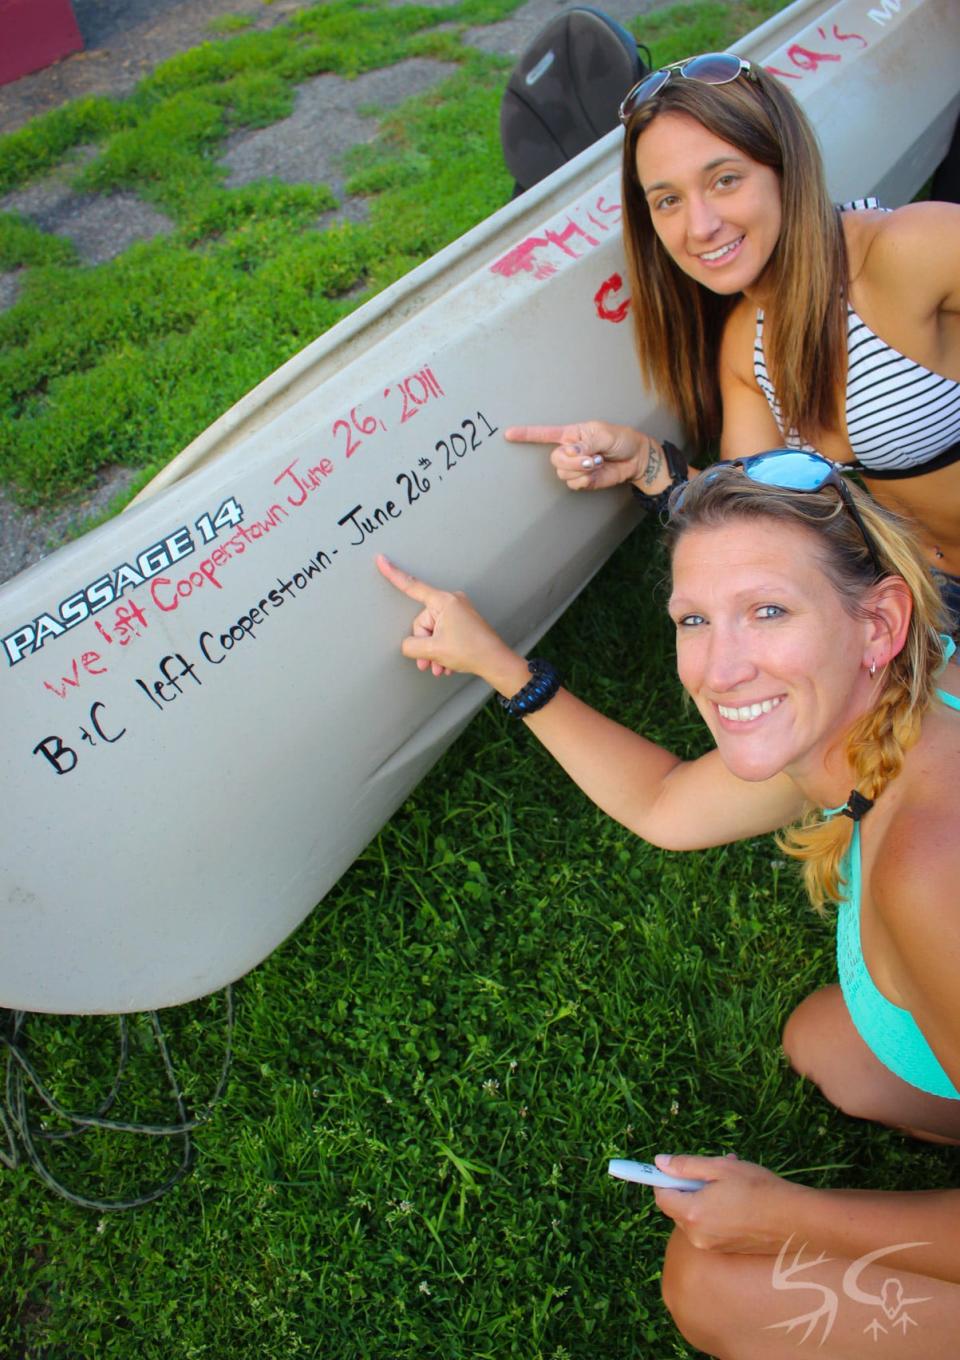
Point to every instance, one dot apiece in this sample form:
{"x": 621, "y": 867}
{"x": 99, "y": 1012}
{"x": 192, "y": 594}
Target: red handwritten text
{"x": 128, "y": 619}
{"x": 571, "y": 239}
{"x": 805, "y": 59}
{"x": 304, "y": 483}
{"x": 414, "y": 392}
{"x": 88, "y": 661}
{"x": 607, "y": 313}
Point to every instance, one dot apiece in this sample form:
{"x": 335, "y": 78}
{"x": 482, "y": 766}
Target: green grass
{"x": 679, "y": 30}
{"x": 229, "y": 23}
{"x": 125, "y": 363}
{"x": 506, "y": 988}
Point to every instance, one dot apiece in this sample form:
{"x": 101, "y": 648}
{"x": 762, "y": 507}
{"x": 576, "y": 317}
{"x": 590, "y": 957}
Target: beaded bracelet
{"x": 536, "y": 692}
{"x": 677, "y": 467}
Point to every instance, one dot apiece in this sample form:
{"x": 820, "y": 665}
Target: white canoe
{"x": 205, "y": 713}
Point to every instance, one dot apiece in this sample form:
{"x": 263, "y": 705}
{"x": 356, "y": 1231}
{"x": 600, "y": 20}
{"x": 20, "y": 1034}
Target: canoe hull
{"x": 206, "y": 713}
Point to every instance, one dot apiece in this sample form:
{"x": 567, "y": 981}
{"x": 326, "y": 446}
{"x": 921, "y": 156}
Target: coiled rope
{"x": 23, "y": 1133}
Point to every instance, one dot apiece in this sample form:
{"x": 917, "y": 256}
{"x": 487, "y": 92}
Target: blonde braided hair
{"x": 877, "y": 743}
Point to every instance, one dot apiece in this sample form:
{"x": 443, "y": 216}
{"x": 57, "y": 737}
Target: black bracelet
{"x": 536, "y": 692}
{"x": 677, "y": 467}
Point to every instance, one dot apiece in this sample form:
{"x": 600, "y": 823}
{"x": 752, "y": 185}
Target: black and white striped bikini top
{"x": 902, "y": 419}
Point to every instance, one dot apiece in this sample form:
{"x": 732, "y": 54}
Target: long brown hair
{"x": 678, "y": 324}
{"x": 877, "y": 743}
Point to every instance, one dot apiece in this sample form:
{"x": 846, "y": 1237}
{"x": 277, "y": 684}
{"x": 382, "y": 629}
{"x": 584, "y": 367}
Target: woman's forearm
{"x": 676, "y": 804}
{"x": 673, "y": 803}
{"x": 916, "y": 1230}
{"x": 619, "y": 770}
{"x": 654, "y": 475}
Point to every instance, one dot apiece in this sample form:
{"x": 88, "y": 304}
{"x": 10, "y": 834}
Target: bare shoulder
{"x": 860, "y": 228}
{"x": 913, "y": 888}
{"x": 914, "y": 250}
{"x": 748, "y": 422}
{"x": 736, "y": 347}
{"x": 916, "y": 870}
{"x": 921, "y": 846}
{"x": 913, "y": 891}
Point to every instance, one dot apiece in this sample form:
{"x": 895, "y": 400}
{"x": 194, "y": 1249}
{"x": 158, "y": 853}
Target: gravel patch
{"x": 99, "y": 225}
{"x": 9, "y": 289}
{"x": 27, "y": 536}
{"x": 325, "y": 124}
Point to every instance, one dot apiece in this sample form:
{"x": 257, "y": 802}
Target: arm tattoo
{"x": 654, "y": 464}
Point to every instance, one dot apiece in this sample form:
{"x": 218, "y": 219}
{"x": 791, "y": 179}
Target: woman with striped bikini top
{"x": 857, "y": 354}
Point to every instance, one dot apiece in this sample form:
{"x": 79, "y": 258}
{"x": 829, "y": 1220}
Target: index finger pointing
{"x": 541, "y": 434}
{"x": 402, "y": 580}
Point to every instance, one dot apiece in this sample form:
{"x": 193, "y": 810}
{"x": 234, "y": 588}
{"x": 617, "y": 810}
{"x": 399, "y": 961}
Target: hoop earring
{"x": 873, "y": 668}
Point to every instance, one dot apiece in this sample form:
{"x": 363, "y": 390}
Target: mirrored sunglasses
{"x": 794, "y": 470}
{"x": 712, "y": 68}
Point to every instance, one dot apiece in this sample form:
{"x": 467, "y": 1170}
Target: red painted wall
{"x": 35, "y": 33}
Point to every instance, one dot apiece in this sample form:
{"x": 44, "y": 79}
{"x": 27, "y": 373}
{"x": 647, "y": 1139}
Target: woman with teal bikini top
{"x": 808, "y": 636}
{"x": 890, "y": 1032}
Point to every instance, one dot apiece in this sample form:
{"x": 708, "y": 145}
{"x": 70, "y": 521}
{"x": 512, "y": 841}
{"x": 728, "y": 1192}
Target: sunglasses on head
{"x": 712, "y": 68}
{"x": 794, "y": 470}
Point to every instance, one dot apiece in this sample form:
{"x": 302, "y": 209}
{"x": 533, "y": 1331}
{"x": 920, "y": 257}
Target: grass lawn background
{"x": 506, "y": 989}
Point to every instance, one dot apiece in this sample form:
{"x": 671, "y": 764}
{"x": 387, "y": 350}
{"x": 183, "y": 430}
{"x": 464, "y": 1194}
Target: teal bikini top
{"x": 889, "y": 1031}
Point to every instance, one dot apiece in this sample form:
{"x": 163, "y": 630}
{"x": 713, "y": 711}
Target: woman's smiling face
{"x": 717, "y": 212}
{"x": 765, "y": 647}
